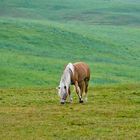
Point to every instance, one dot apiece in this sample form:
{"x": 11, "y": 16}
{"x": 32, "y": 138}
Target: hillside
{"x": 37, "y": 38}
{"x": 102, "y": 12}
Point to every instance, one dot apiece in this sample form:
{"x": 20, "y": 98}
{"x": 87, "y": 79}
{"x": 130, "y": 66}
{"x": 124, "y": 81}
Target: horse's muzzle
{"x": 62, "y": 103}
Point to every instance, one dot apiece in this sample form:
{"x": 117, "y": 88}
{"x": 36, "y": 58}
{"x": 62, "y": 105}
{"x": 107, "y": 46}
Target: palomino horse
{"x": 77, "y": 74}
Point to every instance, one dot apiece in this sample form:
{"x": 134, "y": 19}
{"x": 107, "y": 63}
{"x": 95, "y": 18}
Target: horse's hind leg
{"x": 82, "y": 87}
{"x": 86, "y": 90}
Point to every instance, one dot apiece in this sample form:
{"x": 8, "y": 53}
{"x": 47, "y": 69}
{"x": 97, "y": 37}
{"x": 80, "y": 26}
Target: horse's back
{"x": 82, "y": 71}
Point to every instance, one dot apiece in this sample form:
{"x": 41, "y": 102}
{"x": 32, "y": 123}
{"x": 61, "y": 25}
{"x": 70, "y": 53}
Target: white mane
{"x": 66, "y": 77}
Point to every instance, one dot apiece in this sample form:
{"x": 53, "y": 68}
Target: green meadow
{"x": 111, "y": 113}
{"x": 38, "y": 38}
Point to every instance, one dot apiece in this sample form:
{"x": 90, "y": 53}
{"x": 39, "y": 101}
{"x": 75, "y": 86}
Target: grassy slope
{"x": 33, "y": 54}
{"x": 114, "y": 12}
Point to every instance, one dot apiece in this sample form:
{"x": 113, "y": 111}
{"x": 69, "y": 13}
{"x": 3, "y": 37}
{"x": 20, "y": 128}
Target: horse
{"x": 77, "y": 74}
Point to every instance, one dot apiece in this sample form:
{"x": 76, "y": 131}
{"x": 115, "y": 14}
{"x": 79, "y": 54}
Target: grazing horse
{"x": 77, "y": 74}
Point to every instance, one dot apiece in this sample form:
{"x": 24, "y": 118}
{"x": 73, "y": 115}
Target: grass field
{"x": 111, "y": 113}
{"x": 38, "y": 38}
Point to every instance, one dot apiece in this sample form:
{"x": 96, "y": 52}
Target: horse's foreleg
{"x": 78, "y": 91}
{"x": 70, "y": 97}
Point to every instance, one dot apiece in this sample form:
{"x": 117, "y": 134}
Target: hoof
{"x": 81, "y": 101}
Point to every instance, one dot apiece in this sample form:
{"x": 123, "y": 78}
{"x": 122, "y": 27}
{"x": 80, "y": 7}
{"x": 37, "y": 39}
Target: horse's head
{"x": 65, "y": 82}
{"x": 63, "y": 93}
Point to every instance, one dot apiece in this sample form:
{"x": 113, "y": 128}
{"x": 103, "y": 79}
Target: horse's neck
{"x": 66, "y": 77}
